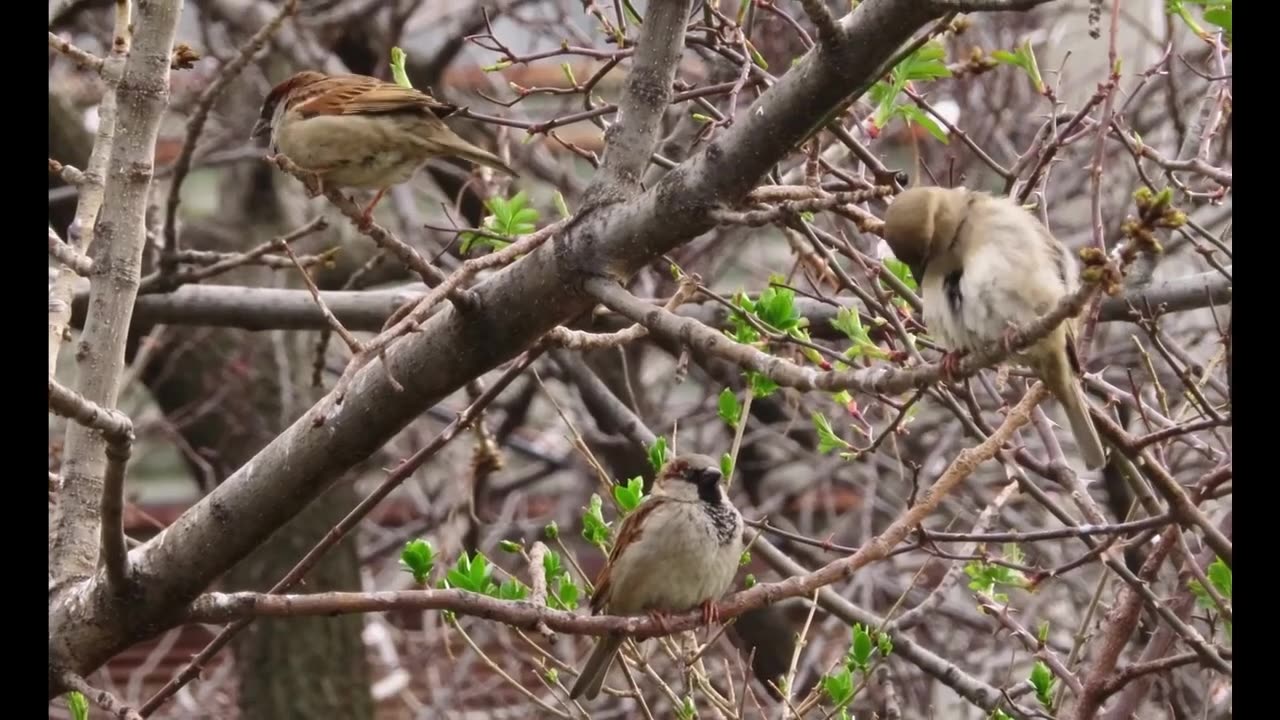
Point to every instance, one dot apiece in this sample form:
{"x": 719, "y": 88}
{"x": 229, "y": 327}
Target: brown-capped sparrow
{"x": 985, "y": 265}
{"x": 356, "y": 131}
{"x": 679, "y": 549}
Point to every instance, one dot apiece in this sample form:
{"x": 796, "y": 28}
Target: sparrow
{"x": 677, "y": 550}
{"x": 984, "y": 266}
{"x": 358, "y": 131}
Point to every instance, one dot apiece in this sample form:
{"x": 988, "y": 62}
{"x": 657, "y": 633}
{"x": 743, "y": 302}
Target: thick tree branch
{"x": 91, "y": 183}
{"x": 251, "y": 308}
{"x": 90, "y": 495}
{"x": 141, "y": 98}
{"x": 705, "y": 342}
{"x": 632, "y": 137}
{"x": 69, "y": 256}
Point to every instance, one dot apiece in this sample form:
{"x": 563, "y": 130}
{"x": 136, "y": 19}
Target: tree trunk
{"x": 230, "y": 392}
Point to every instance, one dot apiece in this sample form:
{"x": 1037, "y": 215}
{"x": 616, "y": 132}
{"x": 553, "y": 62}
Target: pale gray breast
{"x": 679, "y": 562}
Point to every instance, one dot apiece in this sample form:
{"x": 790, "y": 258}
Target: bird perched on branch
{"x": 985, "y": 266}
{"x": 679, "y": 549}
{"x": 356, "y": 131}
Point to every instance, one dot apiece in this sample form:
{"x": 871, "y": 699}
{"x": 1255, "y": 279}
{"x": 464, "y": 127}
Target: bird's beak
{"x": 260, "y": 128}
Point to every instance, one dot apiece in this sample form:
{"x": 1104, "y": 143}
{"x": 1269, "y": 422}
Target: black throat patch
{"x": 951, "y": 288}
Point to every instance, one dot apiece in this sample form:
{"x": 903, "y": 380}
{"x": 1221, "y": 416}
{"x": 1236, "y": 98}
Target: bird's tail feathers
{"x": 1066, "y": 388}
{"x": 597, "y": 667}
{"x": 452, "y": 144}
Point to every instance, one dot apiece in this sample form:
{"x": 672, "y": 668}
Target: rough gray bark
{"x": 120, "y": 232}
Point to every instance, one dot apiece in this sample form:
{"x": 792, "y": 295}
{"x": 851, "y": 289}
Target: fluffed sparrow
{"x": 984, "y": 266}
{"x": 679, "y": 549}
{"x": 356, "y": 131}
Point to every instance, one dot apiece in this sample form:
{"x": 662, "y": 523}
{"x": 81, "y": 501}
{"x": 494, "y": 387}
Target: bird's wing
{"x": 359, "y": 95}
{"x": 628, "y": 533}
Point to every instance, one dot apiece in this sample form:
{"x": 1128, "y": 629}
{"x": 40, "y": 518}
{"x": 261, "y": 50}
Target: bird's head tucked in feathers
{"x": 921, "y": 223}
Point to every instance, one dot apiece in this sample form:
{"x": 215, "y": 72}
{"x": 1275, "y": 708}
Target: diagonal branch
{"x": 829, "y": 32}
{"x": 705, "y": 342}
{"x": 631, "y": 139}
{"x": 69, "y": 256}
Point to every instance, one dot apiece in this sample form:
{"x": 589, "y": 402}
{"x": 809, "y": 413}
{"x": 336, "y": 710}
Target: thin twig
{"x": 195, "y": 125}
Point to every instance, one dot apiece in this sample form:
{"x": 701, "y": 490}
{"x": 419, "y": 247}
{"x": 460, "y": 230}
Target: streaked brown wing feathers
{"x": 628, "y": 532}
{"x": 356, "y": 95}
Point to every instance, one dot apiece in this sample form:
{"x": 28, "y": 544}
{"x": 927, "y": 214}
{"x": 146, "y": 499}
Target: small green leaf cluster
{"x": 926, "y": 63}
{"x": 507, "y": 220}
{"x": 841, "y": 686}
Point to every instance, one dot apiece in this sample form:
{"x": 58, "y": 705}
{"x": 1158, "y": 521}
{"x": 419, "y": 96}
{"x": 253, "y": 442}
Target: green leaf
{"x": 472, "y": 574}
{"x": 860, "y": 650}
{"x": 902, "y": 272}
{"x": 838, "y": 687}
{"x": 397, "y": 68}
{"x": 827, "y": 438}
{"x": 567, "y": 69}
{"x": 594, "y": 528}
{"x": 512, "y": 589}
{"x": 1042, "y": 680}
{"x": 1043, "y": 634}
{"x": 848, "y": 322}
{"x": 761, "y": 385}
{"x": 927, "y": 63}
{"x": 688, "y": 711}
{"x": 78, "y": 705}
{"x": 1023, "y": 57}
{"x": 418, "y": 557}
{"x": 729, "y": 409}
{"x": 749, "y": 581}
{"x": 658, "y": 453}
{"x": 629, "y": 495}
{"x": 999, "y": 714}
{"x": 1220, "y": 575}
{"x": 563, "y": 593}
{"x": 510, "y": 546}
{"x": 632, "y": 16}
{"x": 551, "y": 531}
{"x": 756, "y": 57}
{"x": 726, "y": 465}
{"x": 776, "y": 307}
{"x": 884, "y": 644}
{"x": 552, "y": 568}
{"x": 921, "y": 118}
{"x": 1220, "y": 16}
{"x": 508, "y": 218}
